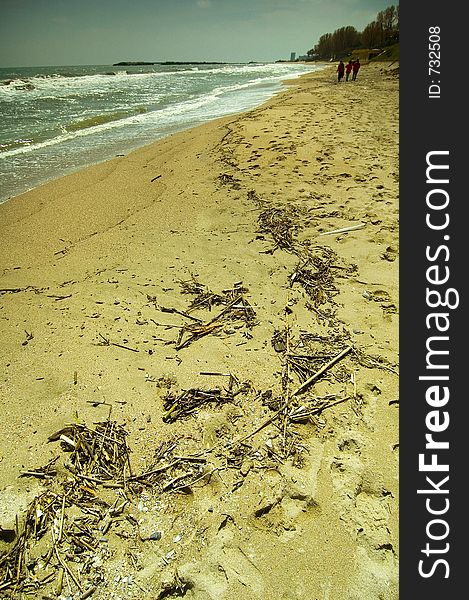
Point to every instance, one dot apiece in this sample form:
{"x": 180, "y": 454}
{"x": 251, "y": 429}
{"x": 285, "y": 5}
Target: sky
{"x": 103, "y": 32}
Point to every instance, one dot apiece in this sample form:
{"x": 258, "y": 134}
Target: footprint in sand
{"x": 390, "y": 254}
{"x": 364, "y": 505}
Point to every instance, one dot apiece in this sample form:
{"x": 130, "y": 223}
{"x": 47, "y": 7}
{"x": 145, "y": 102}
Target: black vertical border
{"x": 432, "y": 124}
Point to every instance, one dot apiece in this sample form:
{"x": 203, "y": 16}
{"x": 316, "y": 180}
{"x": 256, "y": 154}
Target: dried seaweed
{"x": 46, "y": 472}
{"x": 278, "y": 223}
{"x": 100, "y": 454}
{"x": 50, "y": 544}
{"x": 236, "y": 307}
{"x": 182, "y": 405}
{"x": 314, "y": 407}
{"x": 63, "y": 526}
{"x": 227, "y": 179}
{"x": 16, "y": 568}
{"x": 315, "y": 275}
{"x": 371, "y": 362}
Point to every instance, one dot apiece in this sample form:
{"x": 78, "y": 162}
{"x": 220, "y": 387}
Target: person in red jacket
{"x": 355, "y": 69}
{"x": 348, "y": 69}
{"x": 340, "y": 71}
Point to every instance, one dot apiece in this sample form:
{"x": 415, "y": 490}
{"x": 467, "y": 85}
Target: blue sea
{"x": 56, "y": 120}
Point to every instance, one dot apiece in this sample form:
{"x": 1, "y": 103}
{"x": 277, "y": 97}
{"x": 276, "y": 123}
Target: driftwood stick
{"x": 62, "y": 516}
{"x": 124, "y": 347}
{"x": 180, "y": 312}
{"x": 107, "y": 342}
{"x": 246, "y": 437}
{"x": 263, "y": 424}
{"x": 208, "y": 474}
{"x": 215, "y": 373}
{"x": 344, "y": 229}
{"x": 170, "y": 484}
{"x": 316, "y": 411}
{"x": 228, "y": 307}
{"x": 88, "y": 593}
{"x": 60, "y": 581}
{"x": 64, "y": 564}
{"x": 309, "y": 381}
{"x": 38, "y": 474}
{"x": 56, "y": 297}
{"x": 167, "y": 325}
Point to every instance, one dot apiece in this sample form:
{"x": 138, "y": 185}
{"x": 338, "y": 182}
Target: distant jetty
{"x": 168, "y": 62}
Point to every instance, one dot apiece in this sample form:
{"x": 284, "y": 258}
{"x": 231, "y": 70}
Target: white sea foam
{"x": 61, "y": 119}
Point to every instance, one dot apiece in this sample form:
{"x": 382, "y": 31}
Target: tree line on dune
{"x": 382, "y": 32}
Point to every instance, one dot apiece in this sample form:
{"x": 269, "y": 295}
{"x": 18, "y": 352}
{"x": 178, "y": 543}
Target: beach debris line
{"x": 98, "y": 455}
{"x": 60, "y": 544}
{"x": 203, "y": 296}
{"x": 59, "y": 547}
{"x": 187, "y": 402}
{"x": 309, "y": 354}
{"x": 235, "y": 308}
{"x": 227, "y": 179}
{"x": 53, "y": 543}
{"x": 279, "y": 225}
{"x": 317, "y": 264}
{"x": 315, "y": 274}
{"x": 322, "y": 370}
{"x": 312, "y": 357}
{"x": 282, "y": 223}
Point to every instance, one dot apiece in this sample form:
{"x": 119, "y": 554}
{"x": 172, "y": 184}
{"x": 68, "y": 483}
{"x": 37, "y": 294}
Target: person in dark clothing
{"x": 340, "y": 71}
{"x": 355, "y": 68}
{"x": 348, "y": 69}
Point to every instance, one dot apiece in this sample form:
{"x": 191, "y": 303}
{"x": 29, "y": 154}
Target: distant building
{"x": 293, "y": 56}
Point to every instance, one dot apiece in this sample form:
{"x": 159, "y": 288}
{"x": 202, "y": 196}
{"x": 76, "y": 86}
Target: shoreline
{"x": 96, "y": 255}
{"x": 93, "y": 151}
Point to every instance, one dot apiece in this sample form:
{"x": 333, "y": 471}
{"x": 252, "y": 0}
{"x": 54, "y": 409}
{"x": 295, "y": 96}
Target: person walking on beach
{"x": 355, "y": 69}
{"x": 348, "y": 69}
{"x": 340, "y": 71}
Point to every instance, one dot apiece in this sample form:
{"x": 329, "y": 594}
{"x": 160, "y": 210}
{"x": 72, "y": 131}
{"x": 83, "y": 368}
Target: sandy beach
{"x": 196, "y": 292}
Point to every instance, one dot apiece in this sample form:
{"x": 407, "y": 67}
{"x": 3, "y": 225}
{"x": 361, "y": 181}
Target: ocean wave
{"x": 99, "y": 124}
{"x": 14, "y": 144}
{"x": 205, "y": 103}
{"x": 59, "y": 139}
{"x": 66, "y": 85}
{"x": 74, "y": 118}
{"x": 20, "y": 85}
{"x": 88, "y": 126}
{"x": 94, "y": 121}
{"x": 63, "y": 85}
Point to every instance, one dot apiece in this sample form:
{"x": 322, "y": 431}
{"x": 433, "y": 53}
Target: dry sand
{"x": 96, "y": 254}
